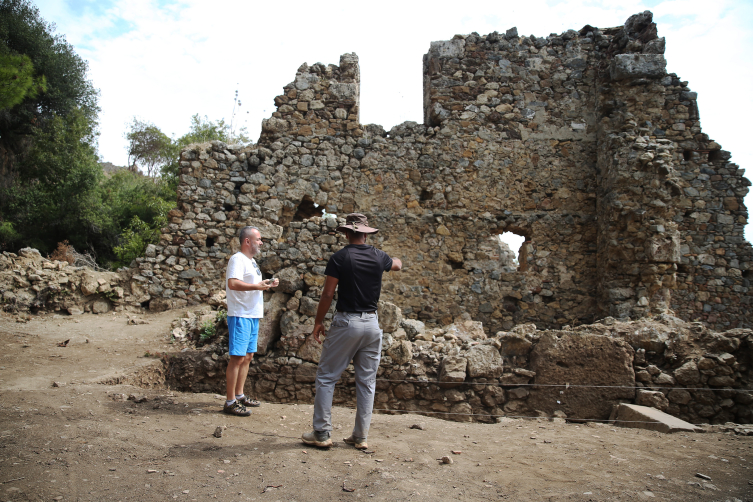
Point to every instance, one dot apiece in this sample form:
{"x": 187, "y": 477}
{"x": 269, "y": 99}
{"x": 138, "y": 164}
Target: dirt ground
{"x": 79, "y": 442}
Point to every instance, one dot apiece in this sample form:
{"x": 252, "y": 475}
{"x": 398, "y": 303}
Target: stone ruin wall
{"x": 580, "y": 142}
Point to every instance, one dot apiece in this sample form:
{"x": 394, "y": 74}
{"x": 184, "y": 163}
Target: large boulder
{"x": 602, "y": 365}
{"x": 269, "y": 326}
{"x": 290, "y": 280}
{"x": 484, "y": 361}
{"x": 389, "y": 316}
{"x": 453, "y": 371}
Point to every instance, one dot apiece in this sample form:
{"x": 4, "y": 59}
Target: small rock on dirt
{"x": 218, "y": 431}
{"x": 137, "y": 399}
{"x": 58, "y": 384}
{"x": 446, "y": 460}
{"x": 420, "y": 426}
{"x": 702, "y": 476}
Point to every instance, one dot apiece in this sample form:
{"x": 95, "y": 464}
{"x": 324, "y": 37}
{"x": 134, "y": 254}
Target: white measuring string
{"x": 565, "y": 385}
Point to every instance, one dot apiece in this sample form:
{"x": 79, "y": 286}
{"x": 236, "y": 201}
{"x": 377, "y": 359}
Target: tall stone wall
{"x": 580, "y": 142}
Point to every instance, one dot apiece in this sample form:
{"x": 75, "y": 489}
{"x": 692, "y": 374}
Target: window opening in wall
{"x": 715, "y": 155}
{"x": 687, "y": 155}
{"x": 510, "y": 246}
{"x": 210, "y": 242}
{"x": 227, "y": 207}
{"x": 307, "y": 209}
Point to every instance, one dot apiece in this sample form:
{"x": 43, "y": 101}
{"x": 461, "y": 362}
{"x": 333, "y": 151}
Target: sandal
{"x": 250, "y": 403}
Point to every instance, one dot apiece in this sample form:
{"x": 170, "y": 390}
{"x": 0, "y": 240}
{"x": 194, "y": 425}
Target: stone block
{"x": 447, "y": 48}
{"x": 581, "y": 359}
{"x": 472, "y": 330}
{"x": 311, "y": 350}
{"x": 484, "y": 361}
{"x": 652, "y": 399}
{"x": 688, "y": 374}
{"x": 514, "y": 344}
{"x": 413, "y": 327}
{"x": 642, "y": 417}
{"x": 632, "y": 66}
{"x": 306, "y": 373}
{"x": 288, "y": 322}
{"x": 401, "y": 352}
{"x": 101, "y": 306}
{"x": 163, "y": 304}
{"x": 89, "y": 284}
{"x": 308, "y": 306}
{"x": 390, "y": 316}
{"x": 453, "y": 371}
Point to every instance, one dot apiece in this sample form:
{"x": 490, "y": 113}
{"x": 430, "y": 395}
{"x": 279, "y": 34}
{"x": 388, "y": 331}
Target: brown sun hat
{"x": 357, "y": 223}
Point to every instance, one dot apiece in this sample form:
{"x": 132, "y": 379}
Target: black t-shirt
{"x": 359, "y": 276}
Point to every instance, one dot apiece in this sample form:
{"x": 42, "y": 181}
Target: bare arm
{"x": 239, "y": 285}
{"x": 324, "y": 303}
{"x": 397, "y": 264}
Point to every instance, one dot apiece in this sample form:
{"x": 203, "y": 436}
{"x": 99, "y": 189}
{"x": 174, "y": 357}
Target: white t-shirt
{"x": 244, "y": 303}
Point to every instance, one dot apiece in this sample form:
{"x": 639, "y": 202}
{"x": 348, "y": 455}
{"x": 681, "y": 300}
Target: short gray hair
{"x": 246, "y": 233}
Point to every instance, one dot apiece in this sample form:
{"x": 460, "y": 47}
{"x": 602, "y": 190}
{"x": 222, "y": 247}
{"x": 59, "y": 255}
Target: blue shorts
{"x": 243, "y": 334}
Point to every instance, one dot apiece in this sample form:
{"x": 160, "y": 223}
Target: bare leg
{"x": 242, "y": 374}
{"x": 233, "y": 371}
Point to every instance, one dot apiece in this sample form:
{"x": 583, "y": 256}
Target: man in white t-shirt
{"x": 245, "y": 307}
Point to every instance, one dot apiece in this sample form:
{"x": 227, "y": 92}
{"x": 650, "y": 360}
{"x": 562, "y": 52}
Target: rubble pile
{"x": 460, "y": 373}
{"x": 28, "y": 281}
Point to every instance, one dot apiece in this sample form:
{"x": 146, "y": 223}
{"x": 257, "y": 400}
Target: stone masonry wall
{"x": 580, "y": 142}
{"x": 459, "y": 373}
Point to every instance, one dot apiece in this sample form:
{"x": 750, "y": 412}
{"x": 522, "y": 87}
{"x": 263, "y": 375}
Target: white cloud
{"x": 190, "y": 56}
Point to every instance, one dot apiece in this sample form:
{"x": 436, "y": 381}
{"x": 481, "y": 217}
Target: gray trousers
{"x": 355, "y": 337}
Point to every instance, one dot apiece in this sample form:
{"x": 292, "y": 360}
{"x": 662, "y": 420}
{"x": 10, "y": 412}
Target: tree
{"x": 149, "y": 148}
{"x": 50, "y": 178}
{"x": 17, "y": 80}
{"x": 54, "y": 62}
{"x": 56, "y": 194}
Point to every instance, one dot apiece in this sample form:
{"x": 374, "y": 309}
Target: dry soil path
{"x": 80, "y": 442}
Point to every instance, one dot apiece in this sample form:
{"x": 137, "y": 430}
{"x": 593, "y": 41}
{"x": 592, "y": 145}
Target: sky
{"x": 163, "y": 61}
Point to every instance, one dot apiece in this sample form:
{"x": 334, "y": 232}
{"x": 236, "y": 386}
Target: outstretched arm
{"x": 324, "y": 303}
{"x": 397, "y": 264}
{"x": 239, "y": 285}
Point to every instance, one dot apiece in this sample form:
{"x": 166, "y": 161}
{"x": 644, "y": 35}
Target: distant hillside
{"x": 110, "y": 168}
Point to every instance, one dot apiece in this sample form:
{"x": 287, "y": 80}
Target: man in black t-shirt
{"x": 354, "y": 334}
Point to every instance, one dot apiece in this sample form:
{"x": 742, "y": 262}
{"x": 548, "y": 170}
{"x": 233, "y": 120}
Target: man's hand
{"x": 318, "y": 331}
{"x": 270, "y": 283}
